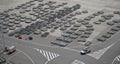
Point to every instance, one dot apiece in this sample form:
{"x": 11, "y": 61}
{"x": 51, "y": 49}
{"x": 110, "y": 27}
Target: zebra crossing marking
{"x": 118, "y": 58}
{"x": 48, "y": 55}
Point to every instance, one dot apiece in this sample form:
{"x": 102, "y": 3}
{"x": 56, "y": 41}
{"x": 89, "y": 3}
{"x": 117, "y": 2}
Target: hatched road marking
{"x": 117, "y": 58}
{"x": 99, "y": 53}
{"x": 48, "y": 55}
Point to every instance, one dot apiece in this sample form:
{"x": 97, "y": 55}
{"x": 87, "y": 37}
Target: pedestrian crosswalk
{"x": 117, "y": 58}
{"x": 48, "y": 55}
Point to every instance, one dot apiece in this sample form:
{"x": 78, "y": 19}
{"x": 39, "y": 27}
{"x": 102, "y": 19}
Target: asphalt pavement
{"x": 37, "y": 53}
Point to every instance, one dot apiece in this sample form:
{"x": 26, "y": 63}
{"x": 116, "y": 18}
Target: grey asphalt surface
{"x": 28, "y": 47}
{"x": 67, "y": 56}
{"x": 20, "y": 58}
{"x": 109, "y": 56}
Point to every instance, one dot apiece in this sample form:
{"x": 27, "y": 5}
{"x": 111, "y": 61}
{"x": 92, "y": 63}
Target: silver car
{"x": 85, "y": 51}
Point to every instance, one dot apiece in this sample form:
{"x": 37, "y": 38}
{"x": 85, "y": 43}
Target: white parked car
{"x": 11, "y": 50}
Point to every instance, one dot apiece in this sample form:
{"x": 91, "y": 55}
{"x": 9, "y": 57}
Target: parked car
{"x": 102, "y": 39}
{"x": 59, "y": 43}
{"x": 11, "y": 50}
{"x": 45, "y": 34}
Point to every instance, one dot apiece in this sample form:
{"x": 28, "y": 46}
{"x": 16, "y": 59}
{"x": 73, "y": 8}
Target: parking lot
{"x": 50, "y": 20}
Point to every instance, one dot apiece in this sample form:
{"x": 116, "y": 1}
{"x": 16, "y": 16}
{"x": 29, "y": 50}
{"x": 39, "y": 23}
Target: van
{"x": 11, "y": 50}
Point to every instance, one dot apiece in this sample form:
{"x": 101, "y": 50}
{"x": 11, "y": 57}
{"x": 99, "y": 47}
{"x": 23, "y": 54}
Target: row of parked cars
{"x": 113, "y": 22}
{"x": 27, "y": 31}
{"x": 74, "y": 32}
{"x": 116, "y": 12}
{"x": 109, "y": 33}
{"x": 108, "y": 17}
{"x": 69, "y": 36}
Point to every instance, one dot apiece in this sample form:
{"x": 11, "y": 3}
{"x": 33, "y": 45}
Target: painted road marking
{"x": 118, "y": 58}
{"x": 27, "y": 56}
{"x": 48, "y": 55}
{"x": 77, "y": 62}
{"x": 99, "y": 53}
{"x": 24, "y": 54}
